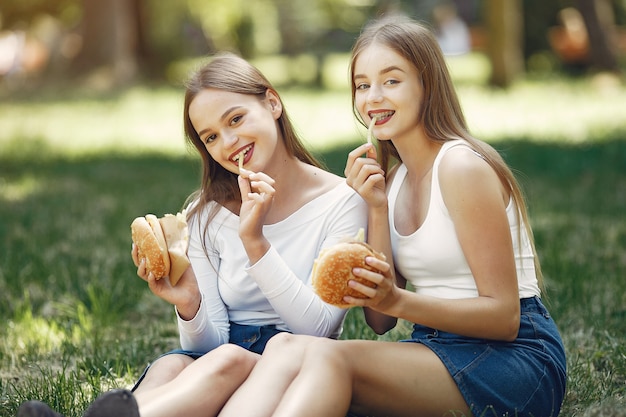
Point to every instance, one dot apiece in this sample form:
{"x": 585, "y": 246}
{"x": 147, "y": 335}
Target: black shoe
{"x": 36, "y": 409}
{"x": 115, "y": 403}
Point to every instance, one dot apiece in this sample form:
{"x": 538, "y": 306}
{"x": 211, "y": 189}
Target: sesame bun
{"x": 333, "y": 269}
{"x": 163, "y": 243}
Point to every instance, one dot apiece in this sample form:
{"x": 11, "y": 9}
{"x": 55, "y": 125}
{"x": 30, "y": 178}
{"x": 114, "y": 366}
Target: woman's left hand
{"x": 385, "y": 292}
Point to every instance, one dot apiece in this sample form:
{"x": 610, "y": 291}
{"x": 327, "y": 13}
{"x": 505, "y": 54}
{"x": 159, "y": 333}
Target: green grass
{"x": 75, "y": 171}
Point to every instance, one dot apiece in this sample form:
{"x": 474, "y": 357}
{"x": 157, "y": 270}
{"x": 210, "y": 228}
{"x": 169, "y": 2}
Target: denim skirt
{"x": 252, "y": 338}
{"x": 522, "y": 378}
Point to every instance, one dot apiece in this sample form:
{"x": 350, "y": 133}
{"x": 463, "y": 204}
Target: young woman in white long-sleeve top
{"x": 254, "y": 234}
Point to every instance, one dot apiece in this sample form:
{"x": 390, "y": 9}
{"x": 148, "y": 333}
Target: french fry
{"x": 241, "y": 156}
{"x": 369, "y": 130}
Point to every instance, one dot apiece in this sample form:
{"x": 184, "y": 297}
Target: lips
{"x": 381, "y": 116}
{"x": 234, "y": 158}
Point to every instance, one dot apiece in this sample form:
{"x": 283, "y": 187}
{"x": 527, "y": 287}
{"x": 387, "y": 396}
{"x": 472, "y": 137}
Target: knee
{"x": 287, "y": 353}
{"x": 164, "y": 369}
{"x": 230, "y": 359}
{"x": 286, "y": 343}
{"x": 170, "y": 364}
{"x": 327, "y": 351}
{"x": 238, "y": 357}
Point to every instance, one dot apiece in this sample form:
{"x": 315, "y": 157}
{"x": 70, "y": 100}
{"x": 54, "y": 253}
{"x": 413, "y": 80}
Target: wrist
{"x": 395, "y": 308}
{"x": 256, "y": 249}
{"x": 378, "y": 213}
{"x": 378, "y": 219}
{"x": 189, "y": 309}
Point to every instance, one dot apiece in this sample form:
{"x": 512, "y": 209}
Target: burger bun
{"x": 163, "y": 243}
{"x": 332, "y": 270}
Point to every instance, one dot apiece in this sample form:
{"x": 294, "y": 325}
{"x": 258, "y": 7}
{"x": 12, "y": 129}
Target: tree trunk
{"x": 600, "y": 23}
{"x": 110, "y": 31}
{"x": 505, "y": 40}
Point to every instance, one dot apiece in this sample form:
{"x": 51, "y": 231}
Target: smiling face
{"x": 231, "y": 123}
{"x": 388, "y": 87}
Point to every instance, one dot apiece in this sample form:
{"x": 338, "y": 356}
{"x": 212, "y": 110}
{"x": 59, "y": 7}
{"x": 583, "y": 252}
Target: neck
{"x": 287, "y": 172}
{"x": 293, "y": 180}
{"x": 418, "y": 154}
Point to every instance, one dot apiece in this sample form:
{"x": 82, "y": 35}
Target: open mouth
{"x": 381, "y": 117}
{"x": 378, "y": 117}
{"x": 240, "y": 157}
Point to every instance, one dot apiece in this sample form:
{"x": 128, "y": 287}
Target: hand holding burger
{"x": 163, "y": 243}
{"x": 332, "y": 270}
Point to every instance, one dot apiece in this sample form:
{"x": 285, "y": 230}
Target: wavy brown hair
{"x": 440, "y": 111}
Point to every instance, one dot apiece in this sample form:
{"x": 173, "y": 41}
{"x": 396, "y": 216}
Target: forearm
{"x": 255, "y": 248}
{"x": 378, "y": 233}
{"x": 204, "y": 331}
{"x": 189, "y": 308}
{"x": 295, "y": 302}
{"x": 202, "y": 317}
{"x": 480, "y": 317}
{"x": 379, "y": 238}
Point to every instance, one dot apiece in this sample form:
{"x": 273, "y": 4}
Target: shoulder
{"x": 327, "y": 176}
{"x": 461, "y": 160}
{"x": 333, "y": 191}
{"x": 322, "y": 181}
{"x": 464, "y": 175}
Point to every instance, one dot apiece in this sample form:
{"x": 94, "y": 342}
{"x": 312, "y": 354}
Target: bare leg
{"x": 320, "y": 403}
{"x": 201, "y": 388}
{"x": 276, "y": 369}
{"x": 377, "y": 378}
{"x": 162, "y": 371}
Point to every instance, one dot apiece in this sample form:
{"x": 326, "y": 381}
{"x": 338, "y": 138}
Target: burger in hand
{"x": 163, "y": 243}
{"x": 332, "y": 270}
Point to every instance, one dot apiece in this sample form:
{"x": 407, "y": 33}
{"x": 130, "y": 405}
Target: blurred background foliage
{"x": 103, "y": 44}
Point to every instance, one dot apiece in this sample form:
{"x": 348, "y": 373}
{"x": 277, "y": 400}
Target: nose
{"x": 230, "y": 138}
{"x": 374, "y": 94}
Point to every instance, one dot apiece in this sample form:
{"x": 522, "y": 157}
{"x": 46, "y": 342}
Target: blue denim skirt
{"x": 252, "y": 338}
{"x": 523, "y": 378}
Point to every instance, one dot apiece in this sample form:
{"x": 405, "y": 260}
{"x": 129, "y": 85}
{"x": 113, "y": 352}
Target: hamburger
{"x": 332, "y": 270}
{"x": 163, "y": 243}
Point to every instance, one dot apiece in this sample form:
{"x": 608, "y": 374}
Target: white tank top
{"x": 431, "y": 258}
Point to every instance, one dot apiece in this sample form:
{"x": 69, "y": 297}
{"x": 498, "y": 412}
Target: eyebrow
{"x": 222, "y": 117}
{"x": 381, "y": 72}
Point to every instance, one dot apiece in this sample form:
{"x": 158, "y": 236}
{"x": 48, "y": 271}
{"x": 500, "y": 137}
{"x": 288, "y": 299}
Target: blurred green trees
{"x": 121, "y": 40}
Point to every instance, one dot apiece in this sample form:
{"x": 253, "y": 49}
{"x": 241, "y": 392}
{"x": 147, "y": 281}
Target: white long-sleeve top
{"x": 277, "y": 289}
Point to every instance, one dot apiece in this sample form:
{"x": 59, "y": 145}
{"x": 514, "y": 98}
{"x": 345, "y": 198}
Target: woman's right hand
{"x": 185, "y": 295}
{"x": 383, "y": 296}
{"x": 257, "y": 196}
{"x": 366, "y": 176}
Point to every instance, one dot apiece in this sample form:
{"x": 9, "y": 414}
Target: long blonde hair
{"x": 440, "y": 111}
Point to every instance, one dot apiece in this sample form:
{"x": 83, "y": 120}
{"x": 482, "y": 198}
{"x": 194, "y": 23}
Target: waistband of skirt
{"x": 532, "y": 305}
